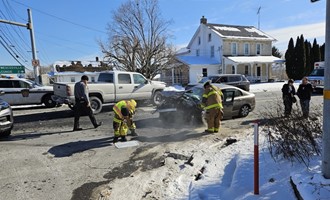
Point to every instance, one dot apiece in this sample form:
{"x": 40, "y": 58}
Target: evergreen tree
{"x": 316, "y": 57}
{"x": 290, "y": 60}
{"x": 276, "y": 52}
{"x": 300, "y": 57}
{"x": 309, "y": 63}
{"x": 322, "y": 51}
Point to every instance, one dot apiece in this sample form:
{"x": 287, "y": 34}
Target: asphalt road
{"x": 44, "y": 159}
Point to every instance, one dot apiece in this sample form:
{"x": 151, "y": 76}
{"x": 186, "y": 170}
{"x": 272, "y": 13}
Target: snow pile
{"x": 174, "y": 88}
{"x": 272, "y": 86}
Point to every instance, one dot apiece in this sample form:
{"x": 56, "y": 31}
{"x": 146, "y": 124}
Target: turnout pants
{"x": 121, "y": 126}
{"x": 213, "y": 117}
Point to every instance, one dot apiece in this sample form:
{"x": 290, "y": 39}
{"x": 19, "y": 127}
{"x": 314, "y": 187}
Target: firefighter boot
{"x": 115, "y": 139}
{"x": 133, "y": 133}
{"x": 123, "y": 139}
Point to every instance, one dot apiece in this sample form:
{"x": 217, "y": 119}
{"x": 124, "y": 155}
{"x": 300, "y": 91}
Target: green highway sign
{"x": 12, "y": 69}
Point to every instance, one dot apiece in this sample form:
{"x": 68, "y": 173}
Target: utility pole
{"x": 326, "y": 98}
{"x": 35, "y": 61}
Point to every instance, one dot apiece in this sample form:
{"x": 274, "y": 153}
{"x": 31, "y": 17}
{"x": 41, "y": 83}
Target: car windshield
{"x": 317, "y": 72}
{"x": 195, "y": 92}
{"x": 204, "y": 80}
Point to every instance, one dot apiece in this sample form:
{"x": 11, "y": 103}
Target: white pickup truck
{"x": 112, "y": 87}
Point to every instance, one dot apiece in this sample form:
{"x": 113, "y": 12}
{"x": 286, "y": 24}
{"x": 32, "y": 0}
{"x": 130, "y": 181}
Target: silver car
{"x": 6, "y": 119}
{"x": 236, "y": 102}
{"x": 185, "y": 105}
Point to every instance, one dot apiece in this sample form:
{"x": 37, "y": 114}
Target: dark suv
{"x": 237, "y": 80}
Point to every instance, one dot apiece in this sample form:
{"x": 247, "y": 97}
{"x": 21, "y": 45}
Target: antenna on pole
{"x": 258, "y": 13}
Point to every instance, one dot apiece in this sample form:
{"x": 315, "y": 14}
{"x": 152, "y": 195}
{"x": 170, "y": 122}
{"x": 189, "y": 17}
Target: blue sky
{"x": 70, "y": 29}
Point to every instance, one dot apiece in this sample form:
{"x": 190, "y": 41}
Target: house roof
{"x": 234, "y": 31}
{"x": 255, "y": 59}
{"x": 198, "y": 60}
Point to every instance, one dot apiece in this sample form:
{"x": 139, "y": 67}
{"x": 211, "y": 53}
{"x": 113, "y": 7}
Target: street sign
{"x": 12, "y": 69}
{"x": 35, "y": 62}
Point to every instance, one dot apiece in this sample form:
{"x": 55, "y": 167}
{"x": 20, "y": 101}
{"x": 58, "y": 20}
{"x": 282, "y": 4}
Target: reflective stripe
{"x": 117, "y": 134}
{"x": 326, "y": 94}
{"x": 216, "y": 130}
{"x": 117, "y": 111}
{"x": 211, "y": 129}
{"x": 205, "y": 95}
{"x": 217, "y": 105}
{"x": 117, "y": 120}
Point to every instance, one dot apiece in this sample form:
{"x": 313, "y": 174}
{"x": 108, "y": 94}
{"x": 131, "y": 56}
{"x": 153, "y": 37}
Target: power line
{"x": 59, "y": 18}
{"x": 12, "y": 54}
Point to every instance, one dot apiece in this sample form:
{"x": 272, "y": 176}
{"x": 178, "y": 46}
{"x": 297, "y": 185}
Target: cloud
{"x": 310, "y": 31}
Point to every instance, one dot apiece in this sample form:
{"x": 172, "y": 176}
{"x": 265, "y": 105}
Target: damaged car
{"x": 185, "y": 105}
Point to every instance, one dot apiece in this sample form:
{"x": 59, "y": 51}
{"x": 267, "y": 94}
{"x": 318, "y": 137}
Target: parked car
{"x": 6, "y": 119}
{"x": 112, "y": 87}
{"x": 185, "y": 104}
{"x": 20, "y": 91}
{"x": 237, "y": 80}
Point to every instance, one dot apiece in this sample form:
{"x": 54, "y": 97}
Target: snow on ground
{"x": 225, "y": 172}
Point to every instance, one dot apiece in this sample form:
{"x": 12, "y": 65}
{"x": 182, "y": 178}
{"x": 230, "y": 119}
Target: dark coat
{"x": 286, "y": 92}
{"x": 305, "y": 91}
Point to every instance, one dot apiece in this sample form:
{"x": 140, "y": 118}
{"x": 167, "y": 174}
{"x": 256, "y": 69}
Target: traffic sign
{"x": 35, "y": 62}
{"x": 12, "y": 69}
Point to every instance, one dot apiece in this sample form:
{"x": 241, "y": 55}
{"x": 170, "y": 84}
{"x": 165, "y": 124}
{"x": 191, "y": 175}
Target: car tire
{"x": 157, "y": 98}
{"x": 244, "y": 111}
{"x": 48, "y": 101}
{"x": 5, "y": 133}
{"x": 96, "y": 104}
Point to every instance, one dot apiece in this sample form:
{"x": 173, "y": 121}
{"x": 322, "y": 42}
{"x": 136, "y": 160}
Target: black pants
{"x": 287, "y": 100}
{"x": 81, "y": 109}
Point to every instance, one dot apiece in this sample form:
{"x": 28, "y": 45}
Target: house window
{"x": 204, "y": 72}
{"x": 212, "y": 51}
{"x": 234, "y": 48}
{"x": 197, "y": 52}
{"x": 199, "y": 40}
{"x": 246, "y": 71}
{"x": 73, "y": 79}
{"x": 246, "y": 49}
{"x": 233, "y": 69}
{"x": 258, "y": 49}
{"x": 210, "y": 37}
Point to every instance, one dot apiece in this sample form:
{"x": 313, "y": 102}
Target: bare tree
{"x": 137, "y": 38}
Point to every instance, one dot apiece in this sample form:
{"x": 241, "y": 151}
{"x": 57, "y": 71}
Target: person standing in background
{"x": 304, "y": 93}
{"x": 288, "y": 92}
{"x": 83, "y": 105}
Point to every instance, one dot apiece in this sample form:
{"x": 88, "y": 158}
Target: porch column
{"x": 235, "y": 67}
{"x": 172, "y": 75}
{"x": 252, "y": 67}
{"x": 267, "y": 71}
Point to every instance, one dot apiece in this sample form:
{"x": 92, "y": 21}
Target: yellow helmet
{"x": 132, "y": 104}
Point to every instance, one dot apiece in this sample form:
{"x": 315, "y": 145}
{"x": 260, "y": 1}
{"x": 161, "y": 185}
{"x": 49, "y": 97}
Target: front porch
{"x": 255, "y": 68}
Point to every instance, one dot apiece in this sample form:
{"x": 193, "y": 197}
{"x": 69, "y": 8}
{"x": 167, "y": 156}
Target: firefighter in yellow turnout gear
{"x": 123, "y": 119}
{"x": 212, "y": 104}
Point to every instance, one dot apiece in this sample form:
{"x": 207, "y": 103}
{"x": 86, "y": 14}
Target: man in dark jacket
{"x": 83, "y": 104}
{"x": 304, "y": 93}
{"x": 288, "y": 92}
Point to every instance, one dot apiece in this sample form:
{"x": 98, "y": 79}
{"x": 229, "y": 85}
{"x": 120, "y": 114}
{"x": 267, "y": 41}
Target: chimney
{"x": 203, "y": 20}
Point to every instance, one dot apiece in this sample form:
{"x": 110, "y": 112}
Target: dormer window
{"x": 210, "y": 37}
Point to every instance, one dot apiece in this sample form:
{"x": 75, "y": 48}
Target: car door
{"x": 227, "y": 103}
{"x": 19, "y": 93}
{"x": 142, "y": 87}
{"x": 124, "y": 86}
{"x": 10, "y": 95}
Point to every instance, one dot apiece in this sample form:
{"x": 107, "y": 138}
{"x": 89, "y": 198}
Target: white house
{"x": 228, "y": 49}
